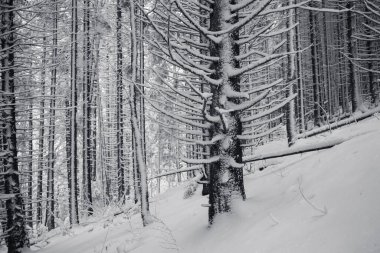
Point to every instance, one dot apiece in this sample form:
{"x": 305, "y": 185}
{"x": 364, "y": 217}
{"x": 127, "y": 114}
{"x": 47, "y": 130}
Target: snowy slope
{"x": 326, "y": 201}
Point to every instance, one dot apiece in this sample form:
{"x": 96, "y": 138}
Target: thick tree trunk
{"x": 16, "y": 235}
{"x": 226, "y": 176}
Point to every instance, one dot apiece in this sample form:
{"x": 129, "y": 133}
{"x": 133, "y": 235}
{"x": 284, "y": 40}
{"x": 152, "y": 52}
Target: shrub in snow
{"x": 191, "y": 187}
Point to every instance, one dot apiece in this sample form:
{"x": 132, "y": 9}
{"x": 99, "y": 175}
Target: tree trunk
{"x": 30, "y": 167}
{"x": 291, "y": 76}
{"x": 73, "y": 166}
{"x": 41, "y": 162}
{"x": 120, "y": 101}
{"x": 356, "y": 102}
{"x": 138, "y": 138}
{"x": 51, "y": 157}
{"x": 316, "y": 109}
{"x": 226, "y": 181}
{"x": 87, "y": 126}
{"x": 16, "y": 235}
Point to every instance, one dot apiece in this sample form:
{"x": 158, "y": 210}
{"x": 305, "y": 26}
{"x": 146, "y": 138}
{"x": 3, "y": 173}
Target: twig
{"x": 105, "y": 239}
{"x": 323, "y": 211}
{"x": 276, "y": 221}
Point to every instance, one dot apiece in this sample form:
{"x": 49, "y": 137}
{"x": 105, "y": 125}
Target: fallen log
{"x": 196, "y": 167}
{"x": 340, "y": 123}
{"x": 294, "y": 150}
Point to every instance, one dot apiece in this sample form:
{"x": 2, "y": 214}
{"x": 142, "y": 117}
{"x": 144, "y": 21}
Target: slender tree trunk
{"x": 326, "y": 61}
{"x": 51, "y": 157}
{"x": 159, "y": 160}
{"x": 120, "y": 101}
{"x": 301, "y": 109}
{"x": 95, "y": 93}
{"x": 30, "y": 167}
{"x": 356, "y": 102}
{"x": 371, "y": 76}
{"x": 138, "y": 138}
{"x": 87, "y": 126}
{"x": 316, "y": 109}
{"x": 291, "y": 76}
{"x": 41, "y": 162}
{"x": 73, "y": 168}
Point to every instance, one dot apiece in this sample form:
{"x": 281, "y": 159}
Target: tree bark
{"x": 226, "y": 182}
{"x": 73, "y": 165}
{"x": 120, "y": 101}
{"x": 16, "y": 234}
{"x": 51, "y": 156}
{"x": 356, "y": 102}
{"x": 291, "y": 76}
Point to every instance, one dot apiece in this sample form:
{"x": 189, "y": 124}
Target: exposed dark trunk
{"x": 120, "y": 101}
{"x": 41, "y": 162}
{"x": 73, "y": 165}
{"x": 51, "y": 157}
{"x": 87, "y": 126}
{"x": 16, "y": 235}
{"x": 314, "y": 69}
{"x": 353, "y": 85}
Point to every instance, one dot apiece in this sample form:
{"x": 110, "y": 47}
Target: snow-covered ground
{"x": 325, "y": 201}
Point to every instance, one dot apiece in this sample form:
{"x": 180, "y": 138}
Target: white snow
{"x": 326, "y": 201}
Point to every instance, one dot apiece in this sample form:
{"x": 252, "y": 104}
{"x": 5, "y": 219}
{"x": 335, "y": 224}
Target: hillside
{"x": 325, "y": 201}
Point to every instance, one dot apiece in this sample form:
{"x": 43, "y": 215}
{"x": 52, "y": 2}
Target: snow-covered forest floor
{"x": 324, "y": 201}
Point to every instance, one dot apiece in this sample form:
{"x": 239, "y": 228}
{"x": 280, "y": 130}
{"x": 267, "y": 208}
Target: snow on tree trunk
{"x": 356, "y": 100}
{"x": 16, "y": 235}
{"x": 73, "y": 165}
{"x": 291, "y": 117}
{"x": 41, "y": 141}
{"x": 120, "y": 101}
{"x": 137, "y": 137}
{"x": 51, "y": 156}
{"x": 226, "y": 175}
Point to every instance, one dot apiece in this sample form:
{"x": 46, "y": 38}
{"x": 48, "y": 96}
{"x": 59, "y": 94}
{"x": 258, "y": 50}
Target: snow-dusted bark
{"x": 213, "y": 77}
{"x": 87, "y": 165}
{"x": 41, "y": 141}
{"x": 50, "y": 204}
{"x": 356, "y": 100}
{"x": 291, "y": 76}
{"x": 140, "y": 162}
{"x": 15, "y": 226}
{"x": 314, "y": 70}
{"x": 120, "y": 101}
{"x": 73, "y": 104}
{"x": 226, "y": 180}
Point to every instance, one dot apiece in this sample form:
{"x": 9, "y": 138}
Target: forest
{"x": 106, "y": 104}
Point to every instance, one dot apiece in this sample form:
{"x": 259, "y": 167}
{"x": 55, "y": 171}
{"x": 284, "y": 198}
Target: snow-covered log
{"x": 294, "y": 150}
{"x": 352, "y": 119}
{"x": 196, "y": 167}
